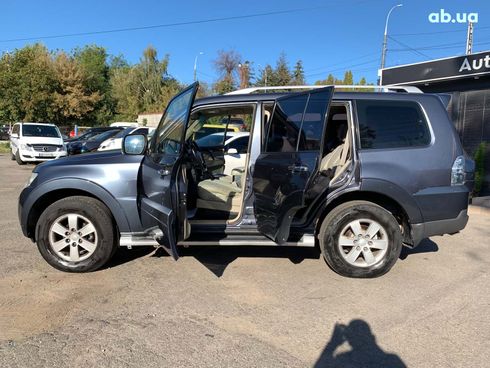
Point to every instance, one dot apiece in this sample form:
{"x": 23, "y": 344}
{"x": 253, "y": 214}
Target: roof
{"x": 32, "y": 123}
{"x": 274, "y": 96}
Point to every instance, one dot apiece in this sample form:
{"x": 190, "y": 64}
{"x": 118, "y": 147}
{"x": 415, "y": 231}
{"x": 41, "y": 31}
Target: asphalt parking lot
{"x": 258, "y": 307}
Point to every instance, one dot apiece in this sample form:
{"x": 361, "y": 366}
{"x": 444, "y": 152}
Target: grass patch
{"x": 4, "y": 147}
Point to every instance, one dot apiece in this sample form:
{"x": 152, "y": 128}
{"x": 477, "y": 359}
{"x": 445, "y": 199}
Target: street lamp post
{"x": 385, "y": 39}
{"x": 195, "y": 65}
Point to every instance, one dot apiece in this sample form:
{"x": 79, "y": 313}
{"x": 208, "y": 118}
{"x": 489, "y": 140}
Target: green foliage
{"x": 4, "y": 147}
{"x": 348, "y": 80}
{"x": 479, "y": 167}
{"x": 226, "y": 64}
{"x": 72, "y": 99}
{"x": 282, "y": 74}
{"x": 144, "y": 87}
{"x": 298, "y": 74}
{"x": 27, "y": 84}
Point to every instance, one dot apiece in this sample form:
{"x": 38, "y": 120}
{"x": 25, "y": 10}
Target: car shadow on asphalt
{"x": 425, "y": 246}
{"x": 363, "y": 352}
{"x": 124, "y": 255}
{"x": 217, "y": 259}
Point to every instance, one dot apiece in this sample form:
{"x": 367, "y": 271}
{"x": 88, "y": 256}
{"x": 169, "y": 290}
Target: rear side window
{"x": 297, "y": 123}
{"x": 391, "y": 124}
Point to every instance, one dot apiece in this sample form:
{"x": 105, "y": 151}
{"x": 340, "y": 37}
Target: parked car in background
{"x": 234, "y": 146}
{"x": 90, "y": 132}
{"x": 91, "y": 143}
{"x": 124, "y": 124}
{"x": 36, "y": 142}
{"x": 4, "y": 133}
{"x": 114, "y": 143}
{"x": 207, "y": 129}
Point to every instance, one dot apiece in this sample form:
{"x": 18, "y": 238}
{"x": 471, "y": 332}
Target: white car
{"x": 115, "y": 142}
{"x": 235, "y": 148}
{"x": 36, "y": 142}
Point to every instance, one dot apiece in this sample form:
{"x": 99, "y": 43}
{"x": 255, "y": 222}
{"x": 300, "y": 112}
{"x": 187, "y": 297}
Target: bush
{"x": 479, "y": 167}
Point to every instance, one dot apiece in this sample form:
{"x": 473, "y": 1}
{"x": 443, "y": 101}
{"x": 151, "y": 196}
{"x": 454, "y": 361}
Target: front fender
{"x": 31, "y": 195}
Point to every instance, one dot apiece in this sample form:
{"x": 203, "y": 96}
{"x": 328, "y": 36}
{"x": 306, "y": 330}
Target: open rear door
{"x": 288, "y": 160}
{"x": 162, "y": 205}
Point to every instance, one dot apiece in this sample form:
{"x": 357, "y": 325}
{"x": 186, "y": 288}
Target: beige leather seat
{"x": 221, "y": 194}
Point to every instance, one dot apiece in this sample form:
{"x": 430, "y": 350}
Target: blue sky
{"x": 342, "y": 34}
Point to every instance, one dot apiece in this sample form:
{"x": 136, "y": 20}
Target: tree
{"x": 348, "y": 78}
{"x": 298, "y": 74}
{"x": 265, "y": 75}
{"x": 93, "y": 63}
{"x": 282, "y": 75}
{"x": 71, "y": 99}
{"x": 226, "y": 64}
{"x": 27, "y": 83}
{"x": 144, "y": 87}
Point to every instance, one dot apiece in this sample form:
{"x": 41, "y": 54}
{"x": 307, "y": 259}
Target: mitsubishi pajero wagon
{"x": 357, "y": 174}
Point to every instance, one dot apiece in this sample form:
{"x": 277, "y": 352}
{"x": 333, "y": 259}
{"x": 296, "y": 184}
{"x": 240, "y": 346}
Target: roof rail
{"x": 408, "y": 89}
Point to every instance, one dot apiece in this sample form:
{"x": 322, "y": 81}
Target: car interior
{"x": 337, "y": 147}
{"x": 213, "y": 196}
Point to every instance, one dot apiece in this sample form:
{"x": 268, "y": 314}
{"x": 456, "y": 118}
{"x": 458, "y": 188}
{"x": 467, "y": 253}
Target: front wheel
{"x": 18, "y": 159}
{"x": 360, "y": 239}
{"x": 76, "y": 234}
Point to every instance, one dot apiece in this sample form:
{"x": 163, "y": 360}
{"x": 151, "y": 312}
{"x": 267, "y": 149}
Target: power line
{"x": 437, "y": 32}
{"x": 167, "y": 25}
{"x": 348, "y": 67}
{"x": 409, "y": 47}
{"x": 342, "y": 62}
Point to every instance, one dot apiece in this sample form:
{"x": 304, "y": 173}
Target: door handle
{"x": 298, "y": 168}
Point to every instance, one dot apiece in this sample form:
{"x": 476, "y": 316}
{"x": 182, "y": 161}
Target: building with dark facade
{"x": 467, "y": 80}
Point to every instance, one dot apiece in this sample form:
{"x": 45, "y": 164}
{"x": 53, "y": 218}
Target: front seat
{"x": 219, "y": 195}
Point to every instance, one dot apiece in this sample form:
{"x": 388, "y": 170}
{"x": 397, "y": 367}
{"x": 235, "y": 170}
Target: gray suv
{"x": 359, "y": 174}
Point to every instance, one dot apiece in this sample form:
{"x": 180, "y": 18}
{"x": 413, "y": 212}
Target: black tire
{"x": 101, "y": 218}
{"x": 339, "y": 218}
{"x": 18, "y": 159}
{"x": 12, "y": 156}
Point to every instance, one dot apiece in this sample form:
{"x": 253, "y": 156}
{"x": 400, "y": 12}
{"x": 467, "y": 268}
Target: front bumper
{"x": 35, "y": 156}
{"x": 439, "y": 227}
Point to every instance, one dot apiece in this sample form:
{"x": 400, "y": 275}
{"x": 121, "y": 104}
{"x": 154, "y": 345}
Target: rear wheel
{"x": 18, "y": 159}
{"x": 76, "y": 234}
{"x": 360, "y": 239}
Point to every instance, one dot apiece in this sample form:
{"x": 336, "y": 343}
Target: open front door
{"x": 288, "y": 160}
{"x": 161, "y": 201}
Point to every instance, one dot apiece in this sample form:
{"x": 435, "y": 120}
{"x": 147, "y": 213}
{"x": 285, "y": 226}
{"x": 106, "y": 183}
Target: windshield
{"x": 88, "y": 134}
{"x": 212, "y": 140}
{"x": 40, "y": 131}
{"x": 103, "y": 136}
{"x": 124, "y": 132}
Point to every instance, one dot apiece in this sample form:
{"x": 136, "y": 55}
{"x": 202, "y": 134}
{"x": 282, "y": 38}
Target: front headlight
{"x": 31, "y": 179}
{"x": 25, "y": 147}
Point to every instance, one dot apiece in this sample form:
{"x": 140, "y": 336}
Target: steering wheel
{"x": 199, "y": 161}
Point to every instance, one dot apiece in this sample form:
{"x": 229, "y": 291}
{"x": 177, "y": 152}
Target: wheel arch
{"x": 50, "y": 195}
{"x": 382, "y": 200}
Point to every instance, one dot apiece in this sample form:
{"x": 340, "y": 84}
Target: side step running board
{"x": 129, "y": 240}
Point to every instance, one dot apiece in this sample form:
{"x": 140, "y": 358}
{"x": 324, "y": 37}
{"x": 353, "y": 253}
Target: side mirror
{"x": 134, "y": 144}
{"x": 232, "y": 151}
{"x": 14, "y": 135}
